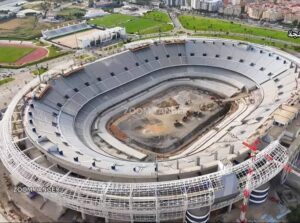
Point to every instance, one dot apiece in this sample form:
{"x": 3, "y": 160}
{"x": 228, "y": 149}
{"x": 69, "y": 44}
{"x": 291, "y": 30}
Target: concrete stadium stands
{"x": 79, "y": 97}
{"x": 63, "y": 122}
{"x": 61, "y": 31}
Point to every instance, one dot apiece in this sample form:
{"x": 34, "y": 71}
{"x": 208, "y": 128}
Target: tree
{"x": 118, "y": 2}
{"x": 45, "y": 6}
{"x": 36, "y": 20}
{"x": 294, "y": 216}
{"x": 91, "y": 3}
{"x": 295, "y": 22}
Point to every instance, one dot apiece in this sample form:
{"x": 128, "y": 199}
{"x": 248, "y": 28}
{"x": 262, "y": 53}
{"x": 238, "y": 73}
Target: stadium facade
{"x": 85, "y": 39}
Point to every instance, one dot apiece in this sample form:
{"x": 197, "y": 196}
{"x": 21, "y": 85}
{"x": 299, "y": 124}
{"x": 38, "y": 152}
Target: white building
{"x": 235, "y": 2}
{"x": 101, "y": 37}
{"x": 92, "y": 13}
{"x": 28, "y": 12}
{"x": 231, "y": 10}
{"x": 206, "y": 5}
{"x": 175, "y": 2}
{"x": 273, "y": 14}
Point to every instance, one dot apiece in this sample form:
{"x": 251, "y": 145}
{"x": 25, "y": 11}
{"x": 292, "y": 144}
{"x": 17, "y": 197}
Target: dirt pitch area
{"x": 169, "y": 120}
{"x": 71, "y": 40}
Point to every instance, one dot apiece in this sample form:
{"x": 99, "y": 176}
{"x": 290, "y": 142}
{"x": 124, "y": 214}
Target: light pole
{"x": 39, "y": 75}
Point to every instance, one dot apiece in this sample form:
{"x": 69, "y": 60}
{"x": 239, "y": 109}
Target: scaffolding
{"x": 147, "y": 202}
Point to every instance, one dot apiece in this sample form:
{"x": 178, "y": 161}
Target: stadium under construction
{"x": 168, "y": 130}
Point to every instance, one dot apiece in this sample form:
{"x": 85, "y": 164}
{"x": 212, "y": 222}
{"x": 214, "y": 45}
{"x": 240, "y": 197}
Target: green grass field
{"x": 10, "y": 54}
{"x": 6, "y": 80}
{"x": 158, "y": 16}
{"x": 151, "y": 22}
{"x": 71, "y": 13}
{"x": 40, "y": 71}
{"x": 257, "y": 40}
{"x": 54, "y": 51}
{"x": 199, "y": 23}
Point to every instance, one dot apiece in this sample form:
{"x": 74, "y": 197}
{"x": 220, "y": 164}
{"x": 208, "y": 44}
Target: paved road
{"x": 23, "y": 76}
{"x": 10, "y": 89}
{"x": 9, "y": 2}
{"x": 190, "y": 32}
{"x": 244, "y": 35}
{"x": 2, "y": 219}
{"x": 175, "y": 20}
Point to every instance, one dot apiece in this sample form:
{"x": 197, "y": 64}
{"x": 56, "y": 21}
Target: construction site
{"x": 191, "y": 130}
{"x": 169, "y": 120}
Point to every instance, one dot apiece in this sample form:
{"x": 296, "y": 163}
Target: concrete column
{"x": 83, "y": 216}
{"x": 216, "y": 156}
{"x": 231, "y": 149}
{"x": 199, "y": 215}
{"x": 229, "y": 208}
{"x": 259, "y": 195}
{"x": 198, "y": 161}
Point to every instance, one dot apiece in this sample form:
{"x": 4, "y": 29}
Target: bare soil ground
{"x": 166, "y": 121}
{"x": 24, "y": 28}
{"x": 71, "y": 40}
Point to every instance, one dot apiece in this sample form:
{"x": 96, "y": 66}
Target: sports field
{"x": 151, "y": 22}
{"x": 71, "y": 40}
{"x": 9, "y": 54}
{"x": 71, "y": 13}
{"x": 199, "y": 23}
{"x": 17, "y": 53}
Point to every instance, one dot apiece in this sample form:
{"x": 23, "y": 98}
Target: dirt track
{"x": 36, "y": 55}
